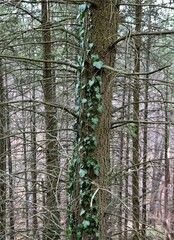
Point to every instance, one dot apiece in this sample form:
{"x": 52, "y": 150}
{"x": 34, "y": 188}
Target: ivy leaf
{"x": 91, "y": 45}
{"x": 84, "y": 100}
{"x": 91, "y": 82}
{"x": 82, "y": 212}
{"x": 132, "y": 130}
{"x": 98, "y": 64}
{"x": 96, "y": 171}
{"x": 85, "y": 223}
{"x": 95, "y": 57}
{"x": 94, "y": 120}
{"x": 98, "y": 96}
{"x": 82, "y": 7}
{"x": 98, "y": 78}
{"x": 82, "y": 172}
{"x": 100, "y": 109}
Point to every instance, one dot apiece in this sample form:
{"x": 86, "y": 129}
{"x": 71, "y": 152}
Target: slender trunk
{"x": 120, "y": 213}
{"x": 91, "y": 159}
{"x": 136, "y": 93}
{"x": 51, "y": 220}
{"x": 167, "y": 173}
{"x": 10, "y": 171}
{"x": 145, "y": 134}
{"x": 144, "y": 180}
{"x": 156, "y": 176}
{"x": 26, "y": 177}
{"x": 128, "y": 142}
{"x": 2, "y": 160}
{"x": 34, "y": 168}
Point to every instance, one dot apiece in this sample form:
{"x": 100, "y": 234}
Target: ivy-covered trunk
{"x": 89, "y": 168}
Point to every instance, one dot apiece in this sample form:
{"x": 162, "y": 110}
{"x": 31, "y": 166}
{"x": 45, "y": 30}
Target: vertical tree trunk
{"x": 145, "y": 134}
{"x": 34, "y": 168}
{"x": 120, "y": 213}
{"x": 10, "y": 170}
{"x": 91, "y": 159}
{"x": 25, "y": 161}
{"x": 128, "y": 142}
{"x": 167, "y": 172}
{"x": 136, "y": 93}
{"x": 2, "y": 161}
{"x": 144, "y": 184}
{"x": 51, "y": 221}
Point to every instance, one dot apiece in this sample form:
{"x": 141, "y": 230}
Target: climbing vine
{"x": 84, "y": 167}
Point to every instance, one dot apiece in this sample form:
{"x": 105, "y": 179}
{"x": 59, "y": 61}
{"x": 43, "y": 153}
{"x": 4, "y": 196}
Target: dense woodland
{"x": 86, "y": 119}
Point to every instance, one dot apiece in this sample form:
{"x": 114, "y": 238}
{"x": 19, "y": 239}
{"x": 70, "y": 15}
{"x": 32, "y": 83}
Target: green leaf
{"x": 85, "y": 223}
{"x": 94, "y": 140}
{"x": 96, "y": 170}
{"x": 96, "y": 89}
{"x": 91, "y": 82}
{"x": 82, "y": 172}
{"x": 95, "y": 57}
{"x": 88, "y": 51}
{"x": 100, "y": 109}
{"x": 132, "y": 130}
{"x": 98, "y": 64}
{"x": 84, "y": 100}
{"x": 82, "y": 7}
{"x": 91, "y": 45}
{"x": 94, "y": 120}
{"x": 82, "y": 212}
{"x": 98, "y": 96}
{"x": 81, "y": 32}
{"x": 98, "y": 78}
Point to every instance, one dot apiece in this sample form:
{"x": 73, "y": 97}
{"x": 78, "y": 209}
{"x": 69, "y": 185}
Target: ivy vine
{"x": 89, "y": 99}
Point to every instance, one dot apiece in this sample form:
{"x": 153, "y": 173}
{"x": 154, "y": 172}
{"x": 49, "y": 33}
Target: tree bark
{"x": 145, "y": 136}
{"x": 136, "y": 93}
{"x": 10, "y": 168}
{"x": 51, "y": 219}
{"x": 2, "y": 161}
{"x": 34, "y": 168}
{"x": 96, "y": 128}
{"x": 25, "y": 162}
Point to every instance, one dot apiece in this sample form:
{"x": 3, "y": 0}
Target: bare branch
{"x": 130, "y": 35}
{"x": 134, "y": 73}
{"x": 24, "y": 59}
{"x": 56, "y": 105}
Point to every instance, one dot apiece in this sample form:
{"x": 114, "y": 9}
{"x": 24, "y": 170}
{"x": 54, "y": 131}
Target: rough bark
{"x": 2, "y": 161}
{"x": 10, "y": 169}
{"x": 136, "y": 95}
{"x": 51, "y": 219}
{"x": 145, "y": 135}
{"x": 167, "y": 172}
{"x": 34, "y": 169}
{"x": 103, "y": 18}
{"x": 25, "y": 162}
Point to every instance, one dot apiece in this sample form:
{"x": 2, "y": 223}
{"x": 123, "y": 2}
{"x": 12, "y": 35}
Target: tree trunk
{"x": 167, "y": 172}
{"x": 34, "y": 168}
{"x": 91, "y": 158}
{"x": 128, "y": 143}
{"x": 2, "y": 161}
{"x": 10, "y": 169}
{"x": 25, "y": 162}
{"x": 51, "y": 219}
{"x": 145, "y": 135}
{"x": 136, "y": 93}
